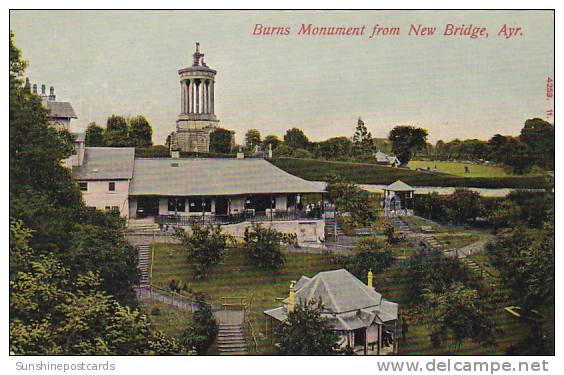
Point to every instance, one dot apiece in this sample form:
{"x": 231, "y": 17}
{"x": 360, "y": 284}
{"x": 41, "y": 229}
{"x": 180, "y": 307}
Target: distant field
{"x": 457, "y": 168}
{"x": 366, "y": 173}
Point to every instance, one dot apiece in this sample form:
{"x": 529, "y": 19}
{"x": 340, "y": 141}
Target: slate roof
{"x": 339, "y": 291}
{"x": 214, "y": 176}
{"x": 60, "y": 109}
{"x": 399, "y": 186}
{"x": 348, "y": 303}
{"x": 106, "y": 163}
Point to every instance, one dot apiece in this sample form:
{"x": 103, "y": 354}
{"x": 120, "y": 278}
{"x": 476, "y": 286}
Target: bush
{"x": 203, "y": 330}
{"x": 155, "y": 311}
{"x": 372, "y": 254}
{"x": 264, "y": 246}
{"x": 205, "y": 247}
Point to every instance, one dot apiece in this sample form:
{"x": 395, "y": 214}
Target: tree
{"x": 271, "y": 140}
{"x": 264, "y": 246}
{"x": 463, "y": 206}
{"x": 362, "y": 139}
{"x": 202, "y": 331}
{"x": 116, "y": 123}
{"x": 350, "y": 198}
{"x": 456, "y": 313}
{"x": 338, "y": 148}
{"x": 252, "y": 139}
{"x": 538, "y": 135}
{"x": 406, "y": 141}
{"x": 140, "y": 131}
{"x": 525, "y": 259}
{"x": 306, "y": 332}
{"x": 295, "y": 138}
{"x": 94, "y": 136}
{"x": 205, "y": 247}
{"x": 371, "y": 254}
{"x": 221, "y": 141}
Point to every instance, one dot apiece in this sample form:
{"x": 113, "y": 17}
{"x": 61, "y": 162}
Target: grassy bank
{"x": 458, "y": 168}
{"x": 235, "y": 276}
{"x": 365, "y": 173}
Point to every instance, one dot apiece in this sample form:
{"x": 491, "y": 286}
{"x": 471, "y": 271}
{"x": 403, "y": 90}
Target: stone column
{"x": 188, "y": 95}
{"x": 207, "y": 96}
{"x": 212, "y": 109}
{"x": 198, "y": 85}
{"x": 182, "y": 97}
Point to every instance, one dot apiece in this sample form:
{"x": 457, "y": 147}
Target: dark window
{"x": 176, "y": 204}
{"x": 112, "y": 186}
{"x": 197, "y": 204}
{"x": 83, "y": 186}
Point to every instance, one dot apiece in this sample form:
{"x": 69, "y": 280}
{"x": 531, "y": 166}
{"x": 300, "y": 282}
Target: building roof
{"x": 60, "y": 109}
{"x": 399, "y": 186}
{"x": 214, "y": 176}
{"x": 347, "y": 302}
{"x": 106, "y": 163}
{"x": 339, "y": 290}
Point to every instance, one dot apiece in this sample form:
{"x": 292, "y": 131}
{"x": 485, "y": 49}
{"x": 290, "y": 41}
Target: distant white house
{"x": 385, "y": 159}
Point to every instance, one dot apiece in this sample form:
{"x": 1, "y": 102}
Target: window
{"x": 83, "y": 186}
{"x": 111, "y": 186}
{"x": 197, "y": 204}
{"x": 176, "y": 205}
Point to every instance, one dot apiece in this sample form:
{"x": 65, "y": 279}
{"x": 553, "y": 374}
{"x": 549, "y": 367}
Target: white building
{"x": 385, "y": 159}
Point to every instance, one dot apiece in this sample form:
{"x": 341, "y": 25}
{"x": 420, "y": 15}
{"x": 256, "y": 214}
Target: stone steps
{"x": 144, "y": 263}
{"x": 231, "y": 340}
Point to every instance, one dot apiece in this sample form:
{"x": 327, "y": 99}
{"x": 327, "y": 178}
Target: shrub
{"x": 264, "y": 246}
{"x": 203, "y": 330}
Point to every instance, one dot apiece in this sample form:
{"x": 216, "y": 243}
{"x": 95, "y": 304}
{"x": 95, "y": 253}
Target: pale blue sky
{"x": 126, "y": 62}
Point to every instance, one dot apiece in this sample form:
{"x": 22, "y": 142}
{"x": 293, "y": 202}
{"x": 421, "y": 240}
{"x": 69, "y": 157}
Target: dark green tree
{"x": 306, "y": 332}
{"x": 271, "y": 140}
{"x": 94, "y": 136}
{"x": 252, "y": 139}
{"x": 116, "y": 123}
{"x": 202, "y": 331}
{"x": 295, "y": 138}
{"x": 538, "y": 135}
{"x": 205, "y": 247}
{"x": 362, "y": 139}
{"x": 456, "y": 313}
{"x": 349, "y": 197}
{"x": 525, "y": 259}
{"x": 221, "y": 141}
{"x": 406, "y": 141}
{"x": 140, "y": 131}
{"x": 264, "y": 246}
{"x": 338, "y": 148}
{"x": 371, "y": 254}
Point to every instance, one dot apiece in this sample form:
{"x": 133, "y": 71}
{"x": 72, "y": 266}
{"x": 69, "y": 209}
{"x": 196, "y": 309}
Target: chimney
{"x": 52, "y": 93}
{"x": 370, "y": 279}
{"x": 175, "y": 154}
{"x": 292, "y": 297}
{"x": 42, "y": 89}
{"x": 35, "y": 88}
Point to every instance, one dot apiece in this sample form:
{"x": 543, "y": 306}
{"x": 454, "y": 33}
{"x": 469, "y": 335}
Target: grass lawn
{"x": 166, "y": 318}
{"x": 457, "y": 168}
{"x": 367, "y": 173}
{"x": 235, "y": 276}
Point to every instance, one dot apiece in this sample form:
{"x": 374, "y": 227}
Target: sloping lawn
{"x": 235, "y": 276}
{"x": 457, "y": 168}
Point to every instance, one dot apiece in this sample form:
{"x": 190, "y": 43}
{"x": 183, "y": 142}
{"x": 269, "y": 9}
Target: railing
{"x": 251, "y": 216}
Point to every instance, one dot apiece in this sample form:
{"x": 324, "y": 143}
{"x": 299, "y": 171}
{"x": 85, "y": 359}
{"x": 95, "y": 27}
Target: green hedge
{"x": 365, "y": 173}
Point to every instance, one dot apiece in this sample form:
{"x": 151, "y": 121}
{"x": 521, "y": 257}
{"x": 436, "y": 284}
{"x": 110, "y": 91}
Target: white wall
{"x": 99, "y": 196}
